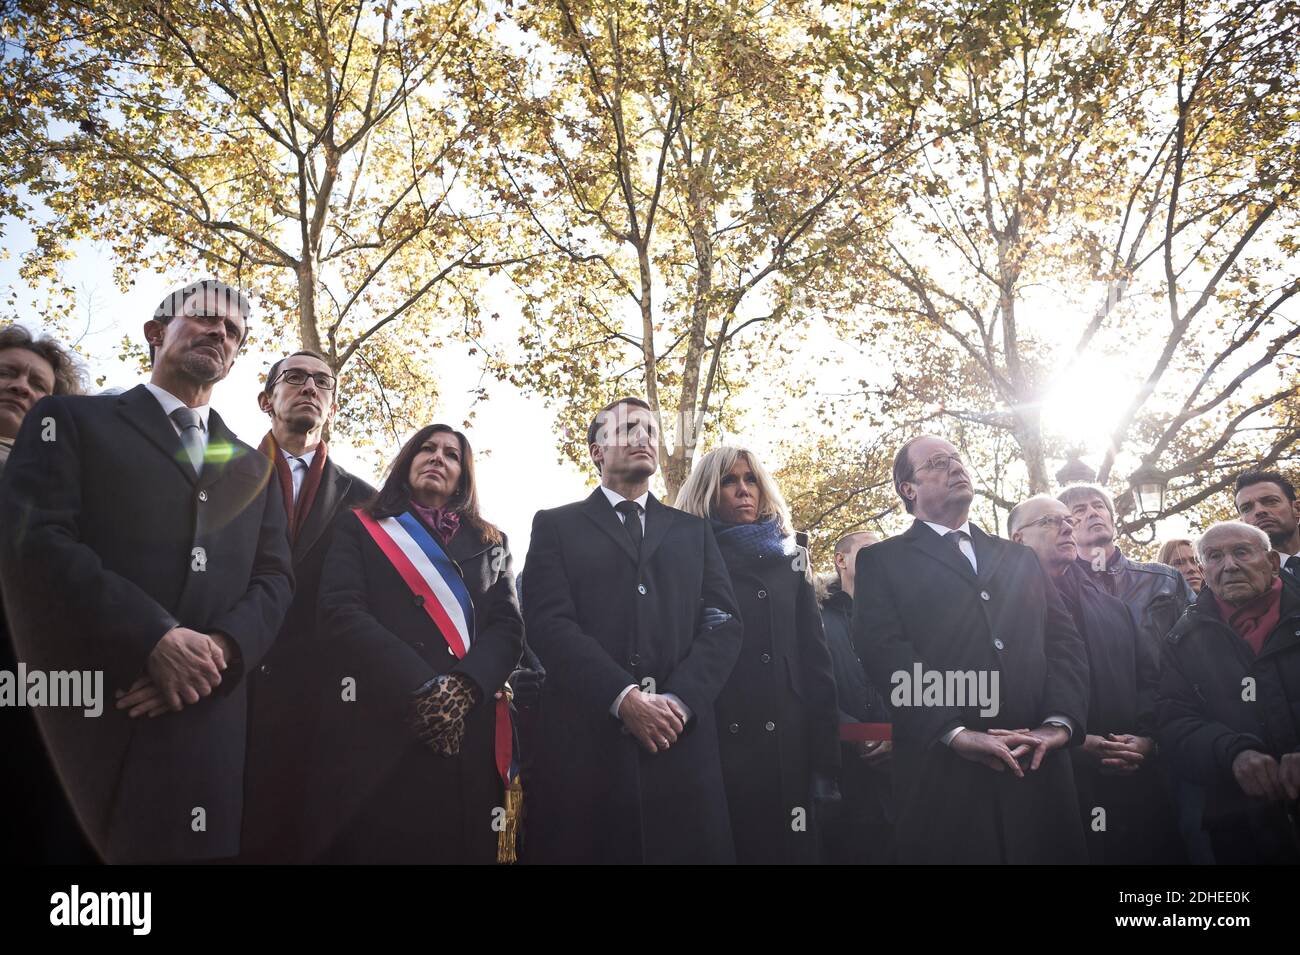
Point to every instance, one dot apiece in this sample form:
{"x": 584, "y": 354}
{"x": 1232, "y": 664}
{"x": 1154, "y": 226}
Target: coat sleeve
{"x": 381, "y": 662}
{"x": 498, "y": 627}
{"x": 700, "y": 676}
{"x": 1066, "y": 686}
{"x": 253, "y": 622}
{"x": 576, "y": 664}
{"x": 1201, "y": 748}
{"x": 884, "y": 649}
{"x": 42, "y": 543}
{"x": 818, "y": 682}
{"x": 1148, "y": 684}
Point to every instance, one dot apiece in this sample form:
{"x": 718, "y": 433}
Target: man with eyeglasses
{"x": 153, "y": 553}
{"x": 1127, "y": 815}
{"x": 1229, "y": 694}
{"x": 285, "y": 692}
{"x": 970, "y": 785}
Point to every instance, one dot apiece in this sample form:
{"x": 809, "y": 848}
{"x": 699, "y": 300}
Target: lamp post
{"x": 1149, "y": 486}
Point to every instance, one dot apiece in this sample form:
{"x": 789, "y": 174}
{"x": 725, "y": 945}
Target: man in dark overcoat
{"x": 286, "y": 690}
{"x": 980, "y": 774}
{"x": 145, "y": 541}
{"x": 630, "y": 609}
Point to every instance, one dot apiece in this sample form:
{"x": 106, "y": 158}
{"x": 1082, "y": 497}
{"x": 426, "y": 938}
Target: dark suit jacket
{"x": 285, "y": 692}
{"x": 600, "y": 620}
{"x": 103, "y": 515}
{"x": 381, "y": 796}
{"x": 919, "y": 600}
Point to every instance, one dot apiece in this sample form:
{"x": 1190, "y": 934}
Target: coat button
{"x": 640, "y": 588}
{"x": 734, "y": 728}
{"x": 419, "y": 600}
{"x": 762, "y": 595}
{"x": 984, "y": 595}
{"x": 450, "y": 651}
{"x": 635, "y": 660}
{"x": 203, "y": 495}
{"x": 264, "y": 669}
{"x": 769, "y": 726}
{"x": 997, "y": 645}
{"x": 766, "y": 658}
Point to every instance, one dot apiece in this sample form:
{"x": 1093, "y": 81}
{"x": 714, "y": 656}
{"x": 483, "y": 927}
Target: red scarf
{"x": 297, "y": 513}
{"x": 1255, "y": 619}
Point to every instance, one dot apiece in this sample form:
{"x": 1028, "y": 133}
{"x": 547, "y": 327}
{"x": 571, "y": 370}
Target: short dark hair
{"x": 1264, "y": 477}
{"x": 903, "y": 469}
{"x": 594, "y": 428}
{"x": 67, "y": 370}
{"x": 174, "y": 304}
{"x": 269, "y": 385}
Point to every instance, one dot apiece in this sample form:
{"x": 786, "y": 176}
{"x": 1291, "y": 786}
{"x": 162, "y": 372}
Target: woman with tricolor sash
{"x": 420, "y": 619}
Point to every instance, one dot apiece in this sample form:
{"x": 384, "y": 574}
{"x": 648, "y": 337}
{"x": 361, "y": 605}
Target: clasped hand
{"x": 655, "y": 721}
{"x": 1001, "y": 749}
{"x": 184, "y": 667}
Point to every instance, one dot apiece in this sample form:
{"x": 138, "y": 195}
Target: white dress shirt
{"x": 615, "y": 499}
{"x": 299, "y": 465}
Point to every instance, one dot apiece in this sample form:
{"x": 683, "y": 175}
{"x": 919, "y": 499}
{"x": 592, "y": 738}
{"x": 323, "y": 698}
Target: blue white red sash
{"x": 429, "y": 573}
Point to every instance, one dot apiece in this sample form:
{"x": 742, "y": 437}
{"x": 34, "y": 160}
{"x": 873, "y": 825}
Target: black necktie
{"x": 1292, "y": 565}
{"x": 955, "y": 538}
{"x": 631, "y": 512}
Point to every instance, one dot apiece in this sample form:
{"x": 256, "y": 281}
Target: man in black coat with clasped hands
{"x": 143, "y": 539}
{"x": 975, "y": 781}
{"x": 630, "y": 609}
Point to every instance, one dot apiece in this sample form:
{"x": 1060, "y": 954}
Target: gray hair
{"x": 1240, "y": 526}
{"x": 1017, "y": 516}
{"x": 1078, "y": 493}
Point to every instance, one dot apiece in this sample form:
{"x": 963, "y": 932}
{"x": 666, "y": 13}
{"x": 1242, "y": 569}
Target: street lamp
{"x": 1149, "y": 487}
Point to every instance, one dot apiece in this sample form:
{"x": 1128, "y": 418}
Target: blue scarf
{"x": 761, "y": 540}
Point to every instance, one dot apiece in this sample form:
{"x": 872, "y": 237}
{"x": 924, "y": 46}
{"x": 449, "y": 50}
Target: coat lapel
{"x": 597, "y": 509}
{"x": 224, "y": 450}
{"x": 333, "y": 489}
{"x": 465, "y": 545}
{"x": 932, "y": 545}
{"x": 658, "y": 518}
{"x": 142, "y": 412}
{"x": 989, "y": 552}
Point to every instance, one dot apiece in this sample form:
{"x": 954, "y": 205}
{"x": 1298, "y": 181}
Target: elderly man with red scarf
{"x": 1229, "y": 701}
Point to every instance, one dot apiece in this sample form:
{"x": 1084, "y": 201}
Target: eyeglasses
{"x": 298, "y": 378}
{"x": 940, "y": 462}
{"x": 1052, "y": 520}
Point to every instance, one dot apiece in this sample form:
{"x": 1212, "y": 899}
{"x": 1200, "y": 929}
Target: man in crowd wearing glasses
{"x": 1127, "y": 815}
{"x": 979, "y": 772}
{"x": 285, "y": 692}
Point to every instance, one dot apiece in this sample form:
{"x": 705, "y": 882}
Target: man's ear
{"x": 1018, "y": 537}
{"x": 1275, "y": 561}
{"x": 264, "y": 401}
{"x": 153, "y": 332}
{"x": 597, "y": 456}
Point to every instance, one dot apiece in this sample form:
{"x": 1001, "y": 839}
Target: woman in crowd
{"x": 1181, "y": 556}
{"x": 776, "y": 716}
{"x": 419, "y": 613}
